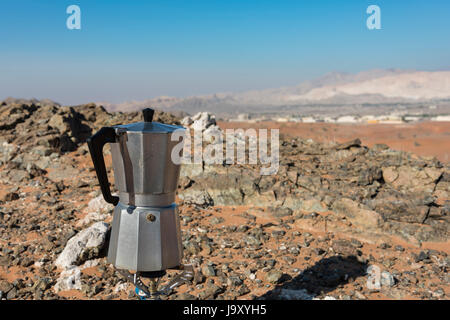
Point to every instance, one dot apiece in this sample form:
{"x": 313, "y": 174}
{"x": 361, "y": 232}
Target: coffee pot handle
{"x": 96, "y": 143}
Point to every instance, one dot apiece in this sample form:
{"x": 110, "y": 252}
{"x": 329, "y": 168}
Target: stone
{"x": 216, "y": 220}
{"x": 197, "y": 197}
{"x": 42, "y": 284}
{"x": 347, "y": 145}
{"x": 69, "y": 279}
{"x": 208, "y": 271}
{"x": 185, "y": 296}
{"x": 412, "y": 178}
{"x": 98, "y": 204}
{"x": 281, "y": 211}
{"x": 293, "y": 294}
{"x": 374, "y": 280}
{"x": 398, "y": 206}
{"x": 210, "y": 292}
{"x": 12, "y": 294}
{"x": 5, "y": 286}
{"x": 387, "y": 279}
{"x": 358, "y": 215}
{"x": 201, "y": 121}
{"x": 58, "y": 122}
{"x": 234, "y": 281}
{"x": 274, "y": 276}
{"x": 11, "y": 196}
{"x": 83, "y": 246}
{"x": 422, "y": 256}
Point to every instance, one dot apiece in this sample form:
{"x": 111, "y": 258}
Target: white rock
{"x": 97, "y": 210}
{"x": 203, "y": 120}
{"x": 83, "y": 245}
{"x": 121, "y": 287}
{"x": 90, "y": 264}
{"x": 91, "y": 217}
{"x": 69, "y": 279}
{"x": 187, "y": 121}
{"x": 373, "y": 281}
{"x": 387, "y": 279}
{"x": 98, "y": 204}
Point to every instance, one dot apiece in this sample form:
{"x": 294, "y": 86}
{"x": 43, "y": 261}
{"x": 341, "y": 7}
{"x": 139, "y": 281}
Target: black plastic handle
{"x": 148, "y": 114}
{"x": 96, "y": 143}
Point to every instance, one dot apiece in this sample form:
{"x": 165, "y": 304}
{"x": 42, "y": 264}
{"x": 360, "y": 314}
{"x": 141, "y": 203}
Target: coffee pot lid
{"x": 148, "y": 126}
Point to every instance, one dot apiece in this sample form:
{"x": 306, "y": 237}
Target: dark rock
{"x": 5, "y": 286}
{"x": 347, "y": 145}
{"x": 210, "y": 292}
{"x": 12, "y": 294}
{"x": 208, "y": 271}
{"x": 281, "y": 211}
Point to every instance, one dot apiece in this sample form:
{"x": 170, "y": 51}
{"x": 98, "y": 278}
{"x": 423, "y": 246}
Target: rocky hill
{"x": 338, "y": 221}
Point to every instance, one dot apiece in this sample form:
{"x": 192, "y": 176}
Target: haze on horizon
{"x": 136, "y": 51}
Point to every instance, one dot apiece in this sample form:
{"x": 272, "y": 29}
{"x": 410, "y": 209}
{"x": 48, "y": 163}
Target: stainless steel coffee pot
{"x": 145, "y": 233}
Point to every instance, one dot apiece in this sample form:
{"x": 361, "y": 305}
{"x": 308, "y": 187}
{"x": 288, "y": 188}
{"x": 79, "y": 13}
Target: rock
{"x": 422, "y": 256}
{"x": 344, "y": 247}
{"x": 360, "y": 296}
{"x": 197, "y": 197}
{"x": 57, "y": 121}
{"x": 281, "y": 211}
{"x": 327, "y": 298}
{"x": 234, "y": 281}
{"x": 202, "y": 120}
{"x": 347, "y": 145}
{"x": 210, "y": 292}
{"x": 374, "y": 280}
{"x": 208, "y": 271}
{"x": 291, "y": 294}
{"x": 274, "y": 276}
{"x": 312, "y": 205}
{"x": 185, "y": 296}
{"x": 362, "y": 217}
{"x": 412, "y": 178}
{"x": 397, "y": 206}
{"x": 5, "y": 286}
{"x": 242, "y": 290}
{"x": 12, "y": 294}
{"x": 11, "y": 196}
{"x": 98, "y": 204}
{"x": 7, "y": 151}
{"x": 216, "y": 220}
{"x": 70, "y": 279}
{"x": 83, "y": 246}
{"x": 42, "y": 284}
{"x": 91, "y": 217}
{"x": 97, "y": 210}
{"x": 187, "y": 121}
{"x": 387, "y": 279}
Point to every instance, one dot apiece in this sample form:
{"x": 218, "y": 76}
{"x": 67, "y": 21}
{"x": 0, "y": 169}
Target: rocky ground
{"x": 338, "y": 220}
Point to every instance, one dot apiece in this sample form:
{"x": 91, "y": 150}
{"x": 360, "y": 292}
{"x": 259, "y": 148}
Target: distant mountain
{"x": 373, "y": 86}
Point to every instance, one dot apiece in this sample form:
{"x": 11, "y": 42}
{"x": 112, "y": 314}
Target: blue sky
{"x": 134, "y": 50}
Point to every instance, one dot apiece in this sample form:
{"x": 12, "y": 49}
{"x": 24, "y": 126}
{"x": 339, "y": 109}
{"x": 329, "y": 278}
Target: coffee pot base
{"x": 145, "y": 239}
